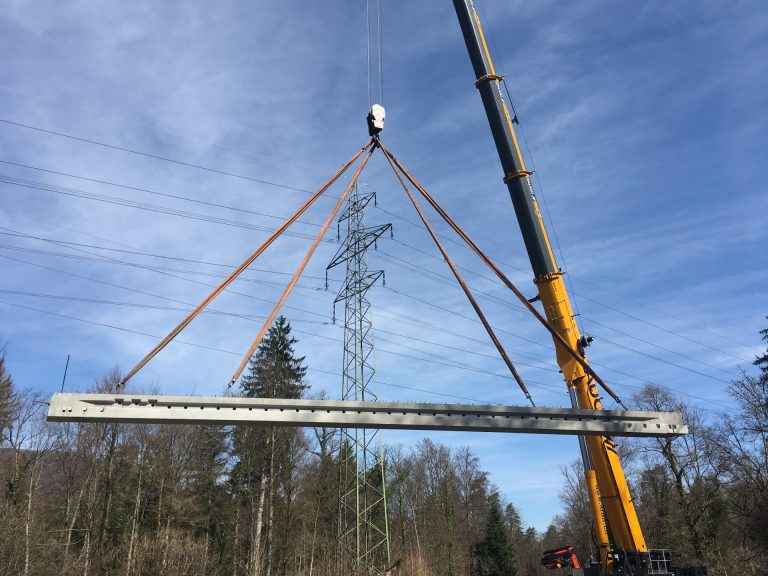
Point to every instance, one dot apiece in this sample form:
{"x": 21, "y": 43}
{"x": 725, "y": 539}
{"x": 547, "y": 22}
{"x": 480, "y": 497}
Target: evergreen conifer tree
{"x": 762, "y": 360}
{"x": 494, "y": 555}
{"x": 262, "y": 477}
{"x": 274, "y": 370}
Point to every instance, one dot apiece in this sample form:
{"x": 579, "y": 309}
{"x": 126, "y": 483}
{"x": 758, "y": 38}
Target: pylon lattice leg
{"x": 363, "y": 527}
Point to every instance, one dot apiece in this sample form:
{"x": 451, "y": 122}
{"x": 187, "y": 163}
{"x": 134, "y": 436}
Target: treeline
{"x": 95, "y": 499}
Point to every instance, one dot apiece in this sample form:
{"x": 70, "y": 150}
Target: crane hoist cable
{"x": 248, "y": 261}
{"x": 374, "y": 45}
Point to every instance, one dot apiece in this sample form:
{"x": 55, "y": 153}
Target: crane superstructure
{"x": 615, "y": 524}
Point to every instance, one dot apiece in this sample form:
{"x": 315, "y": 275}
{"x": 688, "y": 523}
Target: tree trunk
{"x": 166, "y": 545}
{"x": 28, "y": 521}
{"x": 314, "y": 539}
{"x": 135, "y": 520}
{"x": 236, "y": 551}
{"x": 270, "y": 503}
{"x": 254, "y": 557}
{"x": 109, "y": 469}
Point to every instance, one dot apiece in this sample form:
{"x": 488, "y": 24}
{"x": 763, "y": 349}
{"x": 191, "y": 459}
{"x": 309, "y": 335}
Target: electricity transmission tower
{"x": 363, "y": 527}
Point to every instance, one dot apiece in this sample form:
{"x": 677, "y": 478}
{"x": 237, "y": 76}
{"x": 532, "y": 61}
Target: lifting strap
{"x": 248, "y": 261}
{"x": 506, "y": 281}
{"x": 298, "y": 273}
{"x": 461, "y": 282}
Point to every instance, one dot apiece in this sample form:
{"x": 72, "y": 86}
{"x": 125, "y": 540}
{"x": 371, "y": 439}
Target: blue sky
{"x": 646, "y": 123}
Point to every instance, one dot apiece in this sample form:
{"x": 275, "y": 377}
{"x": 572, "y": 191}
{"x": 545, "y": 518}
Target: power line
{"x": 157, "y": 128}
{"x": 185, "y": 343}
{"x": 155, "y": 156}
{"x": 274, "y": 283}
{"x": 98, "y": 258}
{"x": 443, "y": 362}
{"x": 156, "y": 193}
{"x": 222, "y": 172}
{"x": 150, "y": 255}
{"x": 20, "y": 182}
{"x": 416, "y": 298}
{"x": 669, "y": 362}
{"x": 671, "y": 332}
{"x": 320, "y": 336}
{"x": 410, "y": 222}
{"x": 649, "y": 343}
{"x": 435, "y": 276}
{"x": 194, "y": 281}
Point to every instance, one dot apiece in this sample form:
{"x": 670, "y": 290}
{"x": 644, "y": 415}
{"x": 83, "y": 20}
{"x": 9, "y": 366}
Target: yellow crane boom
{"x": 615, "y": 517}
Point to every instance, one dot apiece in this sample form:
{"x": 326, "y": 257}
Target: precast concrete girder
{"x": 152, "y": 408}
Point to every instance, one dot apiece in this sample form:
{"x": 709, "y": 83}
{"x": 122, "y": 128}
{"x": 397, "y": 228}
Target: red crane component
{"x": 563, "y": 557}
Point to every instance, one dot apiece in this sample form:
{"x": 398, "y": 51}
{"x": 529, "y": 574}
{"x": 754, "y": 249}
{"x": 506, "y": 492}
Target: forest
{"x": 120, "y": 499}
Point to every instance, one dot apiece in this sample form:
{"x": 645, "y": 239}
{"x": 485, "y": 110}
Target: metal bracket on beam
{"x": 142, "y": 408}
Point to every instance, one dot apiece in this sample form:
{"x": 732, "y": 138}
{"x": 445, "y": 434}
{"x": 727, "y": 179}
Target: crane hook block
{"x": 376, "y": 116}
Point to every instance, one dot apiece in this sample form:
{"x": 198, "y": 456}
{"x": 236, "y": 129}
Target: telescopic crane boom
{"x": 615, "y": 519}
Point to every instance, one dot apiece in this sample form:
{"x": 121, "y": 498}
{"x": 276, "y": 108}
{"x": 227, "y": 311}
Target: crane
{"x": 617, "y": 533}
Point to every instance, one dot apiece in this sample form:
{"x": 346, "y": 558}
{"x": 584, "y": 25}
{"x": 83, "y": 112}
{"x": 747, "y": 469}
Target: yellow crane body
{"x": 615, "y": 517}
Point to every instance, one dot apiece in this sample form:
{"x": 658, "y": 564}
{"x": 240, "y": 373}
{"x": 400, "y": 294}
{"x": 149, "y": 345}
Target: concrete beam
{"x": 143, "y": 408}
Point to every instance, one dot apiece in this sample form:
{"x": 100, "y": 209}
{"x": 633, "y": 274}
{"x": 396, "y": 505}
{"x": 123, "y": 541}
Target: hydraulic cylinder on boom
{"x": 615, "y": 519}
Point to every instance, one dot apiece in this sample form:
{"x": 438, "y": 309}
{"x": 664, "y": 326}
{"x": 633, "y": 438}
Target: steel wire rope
{"x": 171, "y": 275}
{"x": 368, "y": 47}
{"x": 379, "y": 18}
{"x": 101, "y": 259}
{"x": 446, "y": 281}
{"x": 304, "y": 320}
{"x": 446, "y": 363}
{"x": 442, "y": 236}
{"x": 48, "y": 187}
{"x": 155, "y": 269}
{"x": 479, "y": 235}
{"x": 141, "y": 206}
{"x": 154, "y": 192}
{"x": 183, "y": 342}
{"x": 154, "y": 156}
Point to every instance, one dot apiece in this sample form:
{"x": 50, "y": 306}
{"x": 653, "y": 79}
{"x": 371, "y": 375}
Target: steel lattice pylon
{"x": 363, "y": 524}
